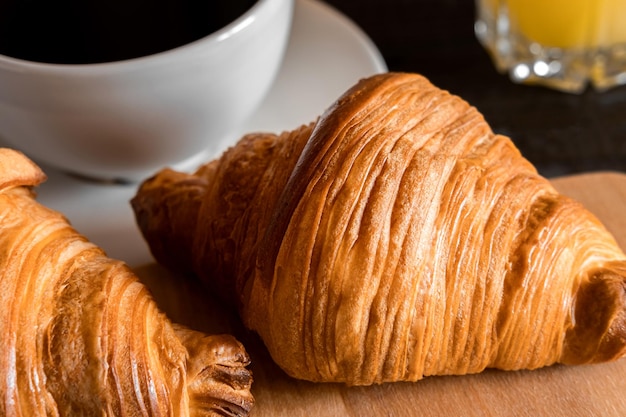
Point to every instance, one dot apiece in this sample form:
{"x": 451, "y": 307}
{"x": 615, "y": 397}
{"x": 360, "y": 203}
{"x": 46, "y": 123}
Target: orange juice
{"x": 562, "y": 44}
{"x": 570, "y": 23}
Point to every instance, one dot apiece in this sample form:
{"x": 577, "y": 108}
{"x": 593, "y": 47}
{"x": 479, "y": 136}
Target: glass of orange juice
{"x": 563, "y": 44}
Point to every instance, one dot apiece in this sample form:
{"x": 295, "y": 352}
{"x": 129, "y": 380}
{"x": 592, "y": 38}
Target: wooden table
{"x": 583, "y": 391}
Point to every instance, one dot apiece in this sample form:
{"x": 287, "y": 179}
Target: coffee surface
{"x": 84, "y": 32}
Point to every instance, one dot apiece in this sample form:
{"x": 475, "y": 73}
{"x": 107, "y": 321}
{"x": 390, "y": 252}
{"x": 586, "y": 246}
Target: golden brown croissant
{"x": 396, "y": 237}
{"x": 80, "y": 335}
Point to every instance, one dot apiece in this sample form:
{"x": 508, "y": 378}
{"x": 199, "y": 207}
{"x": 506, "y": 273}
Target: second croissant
{"x": 394, "y": 238}
{"x": 82, "y": 336}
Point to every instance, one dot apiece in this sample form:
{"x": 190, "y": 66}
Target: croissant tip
{"x": 599, "y": 331}
{"x": 17, "y": 170}
{"x": 219, "y": 378}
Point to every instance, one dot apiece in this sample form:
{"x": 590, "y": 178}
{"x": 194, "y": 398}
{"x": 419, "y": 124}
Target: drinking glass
{"x": 563, "y": 44}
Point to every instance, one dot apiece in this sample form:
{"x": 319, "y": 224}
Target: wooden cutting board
{"x": 594, "y": 390}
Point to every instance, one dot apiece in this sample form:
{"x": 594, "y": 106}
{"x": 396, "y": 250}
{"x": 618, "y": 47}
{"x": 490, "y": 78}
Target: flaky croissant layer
{"x": 81, "y": 336}
{"x": 394, "y": 238}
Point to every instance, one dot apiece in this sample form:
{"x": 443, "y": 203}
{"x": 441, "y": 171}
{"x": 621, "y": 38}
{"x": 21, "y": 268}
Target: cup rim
{"x": 226, "y": 32}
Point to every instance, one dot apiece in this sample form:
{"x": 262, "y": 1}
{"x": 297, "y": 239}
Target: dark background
{"x": 560, "y": 133}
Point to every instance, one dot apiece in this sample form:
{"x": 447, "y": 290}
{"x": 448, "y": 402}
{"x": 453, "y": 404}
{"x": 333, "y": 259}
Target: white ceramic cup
{"x": 126, "y": 119}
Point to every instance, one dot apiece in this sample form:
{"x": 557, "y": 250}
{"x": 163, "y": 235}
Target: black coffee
{"x": 84, "y": 31}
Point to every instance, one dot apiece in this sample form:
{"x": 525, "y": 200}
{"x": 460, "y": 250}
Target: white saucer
{"x": 327, "y": 54}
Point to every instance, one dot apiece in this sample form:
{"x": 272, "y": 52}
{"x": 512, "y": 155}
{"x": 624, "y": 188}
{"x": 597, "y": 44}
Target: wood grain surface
{"x": 583, "y": 391}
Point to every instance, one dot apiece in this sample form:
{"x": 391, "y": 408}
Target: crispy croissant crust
{"x": 395, "y": 238}
{"x": 80, "y": 335}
